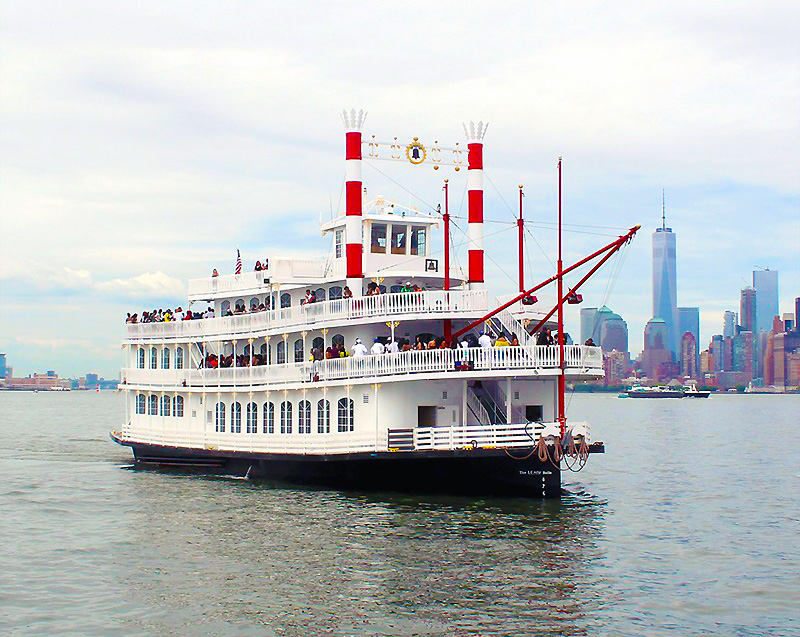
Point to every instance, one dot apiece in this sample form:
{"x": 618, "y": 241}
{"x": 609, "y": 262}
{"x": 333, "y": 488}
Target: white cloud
{"x": 146, "y": 286}
{"x": 161, "y": 140}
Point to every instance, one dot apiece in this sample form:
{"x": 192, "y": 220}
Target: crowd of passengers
{"x": 168, "y": 316}
{"x": 382, "y": 346}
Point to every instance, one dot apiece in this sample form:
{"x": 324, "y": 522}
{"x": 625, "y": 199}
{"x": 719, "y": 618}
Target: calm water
{"x": 687, "y": 526}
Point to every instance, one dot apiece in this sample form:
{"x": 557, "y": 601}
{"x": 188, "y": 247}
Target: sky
{"x": 142, "y": 143}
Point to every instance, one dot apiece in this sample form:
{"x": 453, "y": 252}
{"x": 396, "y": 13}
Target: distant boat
{"x": 640, "y": 391}
{"x": 690, "y": 391}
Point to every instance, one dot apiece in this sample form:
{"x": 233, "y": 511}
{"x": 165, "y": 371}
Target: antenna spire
{"x": 663, "y": 211}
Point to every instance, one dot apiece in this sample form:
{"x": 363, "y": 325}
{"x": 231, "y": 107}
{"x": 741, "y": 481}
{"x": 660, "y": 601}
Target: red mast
{"x": 446, "y": 217}
{"x": 561, "y": 379}
{"x": 520, "y": 247}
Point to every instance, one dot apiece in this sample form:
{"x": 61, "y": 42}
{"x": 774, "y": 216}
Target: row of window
{"x": 397, "y": 232}
{"x": 166, "y": 354}
{"x": 332, "y": 294}
{"x": 167, "y": 406}
{"x": 281, "y": 351}
{"x": 345, "y": 420}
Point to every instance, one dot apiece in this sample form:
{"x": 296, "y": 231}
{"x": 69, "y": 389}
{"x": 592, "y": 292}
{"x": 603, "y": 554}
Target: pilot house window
{"x": 399, "y": 232}
{"x": 418, "y": 240}
{"x": 338, "y": 243}
{"x": 378, "y": 238}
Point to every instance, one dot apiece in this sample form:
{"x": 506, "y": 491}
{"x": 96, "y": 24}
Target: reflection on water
{"x": 317, "y": 562}
{"x": 691, "y": 529}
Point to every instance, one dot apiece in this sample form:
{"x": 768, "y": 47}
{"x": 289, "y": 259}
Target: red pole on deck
{"x": 613, "y": 246}
{"x": 561, "y": 378}
{"x": 520, "y": 246}
{"x": 448, "y": 328}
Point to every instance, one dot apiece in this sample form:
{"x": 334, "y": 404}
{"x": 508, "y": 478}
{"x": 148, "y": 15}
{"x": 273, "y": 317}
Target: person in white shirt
{"x": 464, "y": 344}
{"x": 484, "y": 340}
{"x": 359, "y": 349}
{"x": 378, "y": 348}
{"x": 393, "y": 348}
{"x": 179, "y": 314}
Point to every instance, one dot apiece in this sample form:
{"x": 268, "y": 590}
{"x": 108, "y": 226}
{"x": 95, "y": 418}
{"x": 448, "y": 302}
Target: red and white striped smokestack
{"x": 475, "y": 133}
{"x": 353, "y": 121}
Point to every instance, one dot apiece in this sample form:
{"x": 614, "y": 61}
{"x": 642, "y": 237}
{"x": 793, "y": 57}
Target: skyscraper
{"x": 688, "y": 355}
{"x": 765, "y": 283}
{"x": 730, "y": 321}
{"x": 747, "y": 310}
{"x": 689, "y": 321}
{"x": 665, "y": 284}
{"x": 588, "y": 329}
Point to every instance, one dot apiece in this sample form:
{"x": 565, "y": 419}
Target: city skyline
{"x": 142, "y": 155}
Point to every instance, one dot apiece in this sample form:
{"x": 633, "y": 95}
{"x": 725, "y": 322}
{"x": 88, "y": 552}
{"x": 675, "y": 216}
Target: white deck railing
{"x": 424, "y": 438}
{"x": 481, "y": 359}
{"x": 435, "y": 301}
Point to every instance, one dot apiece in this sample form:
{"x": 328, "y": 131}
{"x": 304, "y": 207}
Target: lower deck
{"x": 497, "y": 472}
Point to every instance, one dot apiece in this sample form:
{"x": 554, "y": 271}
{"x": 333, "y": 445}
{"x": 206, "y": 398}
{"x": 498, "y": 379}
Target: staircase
{"x": 484, "y": 407}
{"x": 504, "y": 321}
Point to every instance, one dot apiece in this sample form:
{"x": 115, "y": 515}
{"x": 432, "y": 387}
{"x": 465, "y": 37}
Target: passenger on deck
{"x": 258, "y": 267}
{"x": 359, "y": 349}
{"x": 329, "y": 353}
{"x": 393, "y": 347}
{"x": 514, "y": 339}
{"x": 419, "y": 344}
{"x": 589, "y": 342}
{"x": 347, "y": 293}
{"x": 501, "y": 341}
{"x": 215, "y": 273}
{"x": 378, "y": 347}
{"x": 484, "y": 340}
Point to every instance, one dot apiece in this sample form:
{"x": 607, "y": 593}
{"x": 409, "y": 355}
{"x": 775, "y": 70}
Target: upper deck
{"x": 443, "y": 304}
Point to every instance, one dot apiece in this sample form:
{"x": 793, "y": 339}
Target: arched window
{"x": 236, "y": 418}
{"x": 335, "y": 292}
{"x": 281, "y": 352}
{"x": 140, "y": 400}
{"x": 266, "y": 354}
{"x": 383, "y": 289}
{"x": 286, "y": 417}
{"x": 323, "y": 417}
{"x": 165, "y": 358}
{"x": 268, "y": 426}
{"x": 395, "y": 289}
{"x": 304, "y": 417}
{"x": 239, "y": 304}
{"x": 179, "y": 358}
{"x": 153, "y": 358}
{"x": 165, "y": 405}
{"x": 140, "y": 359}
{"x": 252, "y": 418}
{"x": 254, "y": 303}
{"x": 220, "y": 417}
{"x": 338, "y": 341}
{"x": 320, "y": 294}
{"x": 318, "y": 343}
{"x": 223, "y": 309}
{"x": 177, "y": 406}
{"x": 298, "y": 350}
{"x": 286, "y": 300}
{"x": 152, "y": 405}
{"x": 345, "y": 414}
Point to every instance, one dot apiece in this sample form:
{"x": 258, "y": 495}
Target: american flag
{"x": 238, "y": 263}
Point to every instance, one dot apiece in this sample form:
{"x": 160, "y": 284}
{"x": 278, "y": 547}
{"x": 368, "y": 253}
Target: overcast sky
{"x": 141, "y": 143}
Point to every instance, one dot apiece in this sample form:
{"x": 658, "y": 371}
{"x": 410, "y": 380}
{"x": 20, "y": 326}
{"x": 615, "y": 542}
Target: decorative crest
{"x": 353, "y": 119}
{"x": 475, "y": 132}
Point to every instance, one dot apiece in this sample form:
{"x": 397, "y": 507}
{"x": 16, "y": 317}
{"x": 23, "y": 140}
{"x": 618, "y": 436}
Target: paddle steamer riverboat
{"x": 486, "y": 420}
